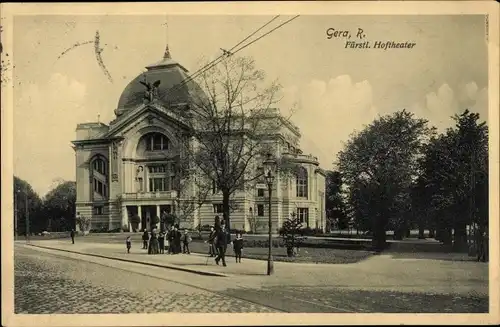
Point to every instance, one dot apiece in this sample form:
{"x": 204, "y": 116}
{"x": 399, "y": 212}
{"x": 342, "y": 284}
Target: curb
{"x": 193, "y": 271}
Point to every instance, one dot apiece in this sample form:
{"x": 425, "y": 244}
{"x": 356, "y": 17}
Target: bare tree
{"x": 233, "y": 125}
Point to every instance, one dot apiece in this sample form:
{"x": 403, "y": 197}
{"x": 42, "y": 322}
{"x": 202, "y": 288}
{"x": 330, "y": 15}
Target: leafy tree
{"x": 454, "y": 179}
{"x": 59, "y": 206}
{"x": 33, "y": 208}
{"x": 378, "y": 166}
{"x": 233, "y": 124}
{"x": 335, "y": 206}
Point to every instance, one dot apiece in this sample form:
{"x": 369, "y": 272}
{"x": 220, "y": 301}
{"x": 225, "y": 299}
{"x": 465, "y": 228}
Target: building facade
{"x": 127, "y": 168}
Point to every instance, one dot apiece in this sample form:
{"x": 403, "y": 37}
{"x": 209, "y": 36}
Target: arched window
{"x": 156, "y": 142}
{"x": 301, "y": 183}
{"x": 99, "y": 178}
{"x": 99, "y": 166}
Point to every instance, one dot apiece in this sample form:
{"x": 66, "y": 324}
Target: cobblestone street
{"x": 47, "y": 284}
{"x": 59, "y": 282}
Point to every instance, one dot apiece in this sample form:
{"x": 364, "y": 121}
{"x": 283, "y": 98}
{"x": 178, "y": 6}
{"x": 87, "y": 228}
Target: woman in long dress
{"x": 155, "y": 247}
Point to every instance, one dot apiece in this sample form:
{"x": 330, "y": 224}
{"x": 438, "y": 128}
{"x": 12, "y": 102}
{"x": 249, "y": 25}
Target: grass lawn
{"x": 306, "y": 255}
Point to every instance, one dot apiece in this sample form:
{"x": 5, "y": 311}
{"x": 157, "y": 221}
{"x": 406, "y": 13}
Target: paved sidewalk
{"x": 381, "y": 272}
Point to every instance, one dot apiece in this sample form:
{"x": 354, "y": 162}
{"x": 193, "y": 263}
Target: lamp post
{"x": 27, "y": 215}
{"x": 270, "y": 164}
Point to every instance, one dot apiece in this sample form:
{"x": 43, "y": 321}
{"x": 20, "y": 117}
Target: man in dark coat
{"x": 72, "y": 234}
{"x": 145, "y": 239}
{"x": 170, "y": 238}
{"x": 177, "y": 239}
{"x": 221, "y": 242}
{"x": 211, "y": 239}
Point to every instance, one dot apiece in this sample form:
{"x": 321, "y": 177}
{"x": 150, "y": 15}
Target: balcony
{"x": 302, "y": 158}
{"x": 168, "y": 195}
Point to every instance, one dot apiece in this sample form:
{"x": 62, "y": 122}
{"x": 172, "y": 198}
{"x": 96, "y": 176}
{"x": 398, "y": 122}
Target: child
{"x": 237, "y": 247}
{"x": 128, "y": 241}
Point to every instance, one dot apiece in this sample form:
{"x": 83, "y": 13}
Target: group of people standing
{"x": 156, "y": 242}
{"x": 172, "y": 240}
{"x": 218, "y": 241}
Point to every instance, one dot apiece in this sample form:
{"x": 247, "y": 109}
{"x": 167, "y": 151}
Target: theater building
{"x": 126, "y": 167}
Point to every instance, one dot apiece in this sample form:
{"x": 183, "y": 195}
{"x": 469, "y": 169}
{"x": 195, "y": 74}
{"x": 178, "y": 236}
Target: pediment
{"x": 146, "y": 115}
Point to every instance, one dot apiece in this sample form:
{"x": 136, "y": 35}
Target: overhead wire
{"x": 220, "y": 58}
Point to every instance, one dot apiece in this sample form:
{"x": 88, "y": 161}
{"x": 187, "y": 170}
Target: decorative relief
{"x": 114, "y": 163}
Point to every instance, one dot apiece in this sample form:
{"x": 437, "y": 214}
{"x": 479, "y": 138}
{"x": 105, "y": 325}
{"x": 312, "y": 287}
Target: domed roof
{"x": 172, "y": 89}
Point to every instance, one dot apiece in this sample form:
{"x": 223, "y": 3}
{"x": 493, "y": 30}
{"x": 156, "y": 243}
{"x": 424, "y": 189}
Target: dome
{"x": 171, "y": 75}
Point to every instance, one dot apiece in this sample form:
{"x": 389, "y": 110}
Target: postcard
{"x": 250, "y": 164}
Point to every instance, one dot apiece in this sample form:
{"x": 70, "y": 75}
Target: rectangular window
{"x": 218, "y": 208}
{"x": 303, "y": 215}
{"x": 139, "y": 180}
{"x": 260, "y": 192}
{"x": 158, "y": 184}
{"x": 157, "y": 169}
{"x": 260, "y": 210}
{"x": 98, "y": 210}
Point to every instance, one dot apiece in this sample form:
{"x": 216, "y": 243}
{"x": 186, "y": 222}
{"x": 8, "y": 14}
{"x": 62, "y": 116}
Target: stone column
{"x": 139, "y": 213}
{"x": 158, "y": 215}
{"x": 125, "y": 220}
{"x": 110, "y": 223}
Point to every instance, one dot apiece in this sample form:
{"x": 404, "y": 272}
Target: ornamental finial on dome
{"x": 166, "y": 55}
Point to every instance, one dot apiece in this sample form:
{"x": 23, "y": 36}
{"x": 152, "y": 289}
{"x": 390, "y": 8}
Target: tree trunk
{"x": 398, "y": 233}
{"x": 446, "y": 237}
{"x": 460, "y": 237}
{"x": 379, "y": 237}
{"x": 432, "y": 233}
{"x": 421, "y": 233}
{"x": 225, "y": 208}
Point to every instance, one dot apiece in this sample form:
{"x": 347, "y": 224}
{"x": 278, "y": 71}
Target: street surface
{"x": 51, "y": 281}
{"x": 48, "y": 283}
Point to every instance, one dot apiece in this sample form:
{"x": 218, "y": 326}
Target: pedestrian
{"x": 170, "y": 240}
{"x": 211, "y": 238}
{"x": 153, "y": 243}
{"x": 145, "y": 238}
{"x": 221, "y": 242}
{"x": 72, "y": 234}
{"x": 238, "y": 247}
{"x": 177, "y": 239}
{"x": 128, "y": 242}
{"x": 161, "y": 242}
{"x": 186, "y": 239}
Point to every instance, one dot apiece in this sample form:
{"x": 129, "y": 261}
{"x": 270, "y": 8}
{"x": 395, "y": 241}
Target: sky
{"x": 337, "y": 90}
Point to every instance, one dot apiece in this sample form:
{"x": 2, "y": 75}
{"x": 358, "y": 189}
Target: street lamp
{"x": 270, "y": 166}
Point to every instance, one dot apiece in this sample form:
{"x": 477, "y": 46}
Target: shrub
{"x": 83, "y": 222}
{"x": 291, "y": 234}
{"x": 308, "y": 231}
{"x": 135, "y": 219}
{"x": 261, "y": 243}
